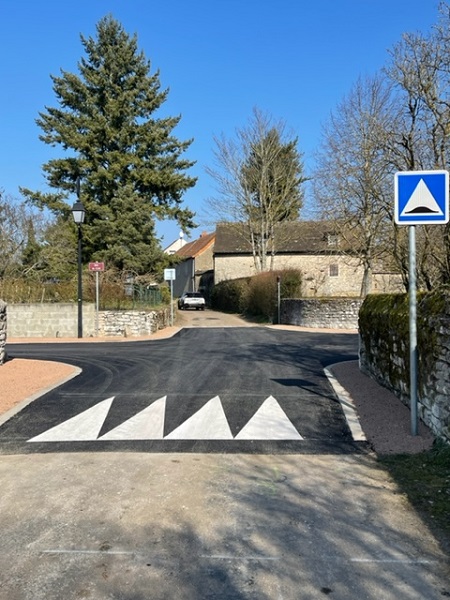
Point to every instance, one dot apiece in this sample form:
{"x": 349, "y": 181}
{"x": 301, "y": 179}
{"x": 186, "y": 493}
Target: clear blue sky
{"x": 293, "y": 59}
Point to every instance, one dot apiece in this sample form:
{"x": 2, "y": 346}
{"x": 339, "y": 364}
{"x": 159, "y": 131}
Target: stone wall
{"x": 132, "y": 323}
{"x": 384, "y": 356}
{"x": 329, "y": 313}
{"x": 61, "y": 321}
{"x": 2, "y": 332}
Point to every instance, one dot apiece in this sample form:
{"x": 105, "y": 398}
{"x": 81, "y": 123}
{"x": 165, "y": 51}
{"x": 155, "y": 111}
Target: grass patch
{"x": 425, "y": 479}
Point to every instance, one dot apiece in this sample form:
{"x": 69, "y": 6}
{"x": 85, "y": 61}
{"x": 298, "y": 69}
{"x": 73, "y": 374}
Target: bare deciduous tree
{"x": 420, "y": 70}
{"x": 259, "y": 174}
{"x": 352, "y": 181}
{"x": 16, "y": 222}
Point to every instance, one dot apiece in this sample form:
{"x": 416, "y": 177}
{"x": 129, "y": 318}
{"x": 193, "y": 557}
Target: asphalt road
{"x": 306, "y": 518}
{"x": 215, "y": 389}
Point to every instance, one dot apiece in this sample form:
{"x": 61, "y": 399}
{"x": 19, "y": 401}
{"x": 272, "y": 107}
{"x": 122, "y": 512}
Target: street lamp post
{"x": 78, "y": 213}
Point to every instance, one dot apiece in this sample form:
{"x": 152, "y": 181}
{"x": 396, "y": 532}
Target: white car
{"x": 191, "y": 300}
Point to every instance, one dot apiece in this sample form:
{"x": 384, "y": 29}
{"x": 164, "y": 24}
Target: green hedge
{"x": 257, "y": 296}
{"x": 230, "y": 296}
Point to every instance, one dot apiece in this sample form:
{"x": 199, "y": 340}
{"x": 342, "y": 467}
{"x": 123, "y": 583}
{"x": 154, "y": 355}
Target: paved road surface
{"x": 219, "y": 389}
{"x": 128, "y": 525}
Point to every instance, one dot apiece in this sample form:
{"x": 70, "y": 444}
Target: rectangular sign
{"x": 96, "y": 266}
{"x": 169, "y": 274}
{"x": 421, "y": 198}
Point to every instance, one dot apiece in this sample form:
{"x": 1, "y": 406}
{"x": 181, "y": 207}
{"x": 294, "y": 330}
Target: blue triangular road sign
{"x": 421, "y": 197}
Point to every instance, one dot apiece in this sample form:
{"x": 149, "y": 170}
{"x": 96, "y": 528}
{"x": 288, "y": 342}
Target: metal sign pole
{"x": 412, "y": 329}
{"x": 169, "y": 275}
{"x": 96, "y": 302}
{"x": 420, "y": 198}
{"x": 171, "y": 302}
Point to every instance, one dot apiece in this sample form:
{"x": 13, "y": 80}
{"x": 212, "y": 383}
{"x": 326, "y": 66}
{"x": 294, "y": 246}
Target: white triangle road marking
{"x": 208, "y": 423}
{"x": 148, "y": 424}
{"x": 82, "y": 427}
{"x": 270, "y": 422}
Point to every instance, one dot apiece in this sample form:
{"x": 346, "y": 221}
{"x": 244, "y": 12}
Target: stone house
{"x": 194, "y": 271}
{"x": 328, "y": 268}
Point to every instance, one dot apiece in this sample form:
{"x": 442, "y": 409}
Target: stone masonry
{"x": 60, "y": 320}
{"x": 434, "y": 385}
{"x": 322, "y": 276}
{"x": 329, "y": 313}
{"x": 132, "y": 323}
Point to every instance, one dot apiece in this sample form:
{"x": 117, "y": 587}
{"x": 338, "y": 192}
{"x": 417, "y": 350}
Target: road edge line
{"x": 348, "y": 407}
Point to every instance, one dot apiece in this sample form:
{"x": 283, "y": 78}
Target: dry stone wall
{"x": 385, "y": 358}
{"x": 336, "y": 313}
{"x": 132, "y": 323}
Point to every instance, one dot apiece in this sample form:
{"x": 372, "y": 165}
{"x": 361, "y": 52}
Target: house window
{"x": 333, "y": 239}
{"x": 334, "y": 270}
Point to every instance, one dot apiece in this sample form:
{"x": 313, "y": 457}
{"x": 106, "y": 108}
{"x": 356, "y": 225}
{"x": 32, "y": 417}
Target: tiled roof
{"x": 197, "y": 247}
{"x": 291, "y": 237}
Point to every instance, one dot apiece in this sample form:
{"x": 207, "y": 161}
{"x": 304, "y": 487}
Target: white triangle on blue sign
{"x": 421, "y": 203}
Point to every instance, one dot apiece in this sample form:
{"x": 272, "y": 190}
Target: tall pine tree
{"x": 129, "y": 163}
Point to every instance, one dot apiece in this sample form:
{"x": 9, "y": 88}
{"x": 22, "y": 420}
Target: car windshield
{"x": 193, "y": 295}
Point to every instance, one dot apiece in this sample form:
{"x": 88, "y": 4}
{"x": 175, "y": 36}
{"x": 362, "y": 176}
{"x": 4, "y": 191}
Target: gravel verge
{"x": 384, "y": 419}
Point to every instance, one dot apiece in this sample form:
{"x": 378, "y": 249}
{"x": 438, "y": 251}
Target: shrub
{"x": 257, "y": 296}
{"x": 262, "y": 299}
{"x": 230, "y": 296}
{"x": 290, "y": 283}
{"x": 27, "y": 291}
{"x": 262, "y": 296}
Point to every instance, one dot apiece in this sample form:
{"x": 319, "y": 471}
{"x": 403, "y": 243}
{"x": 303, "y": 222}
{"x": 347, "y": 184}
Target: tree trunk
{"x": 366, "y": 284}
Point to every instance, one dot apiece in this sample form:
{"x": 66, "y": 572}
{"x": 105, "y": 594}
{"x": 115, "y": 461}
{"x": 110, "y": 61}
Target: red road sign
{"x": 96, "y": 266}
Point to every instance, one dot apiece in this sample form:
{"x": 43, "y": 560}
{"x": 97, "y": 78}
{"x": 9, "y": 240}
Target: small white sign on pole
{"x": 96, "y": 267}
{"x": 169, "y": 275}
